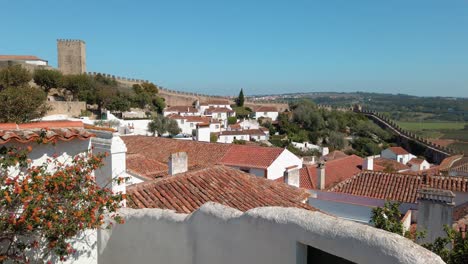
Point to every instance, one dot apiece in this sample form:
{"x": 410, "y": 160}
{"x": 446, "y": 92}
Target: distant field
{"x": 415, "y": 126}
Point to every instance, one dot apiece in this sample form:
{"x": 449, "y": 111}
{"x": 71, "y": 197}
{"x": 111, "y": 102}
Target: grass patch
{"x": 460, "y": 146}
{"x": 415, "y": 126}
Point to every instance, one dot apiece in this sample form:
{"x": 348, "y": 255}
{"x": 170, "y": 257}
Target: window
{"x": 217, "y": 126}
{"x": 191, "y": 124}
{"x": 309, "y": 255}
{"x": 245, "y": 170}
{"x": 265, "y": 113}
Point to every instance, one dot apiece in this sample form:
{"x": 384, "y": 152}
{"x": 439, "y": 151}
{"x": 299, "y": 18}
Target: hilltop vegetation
{"x": 335, "y": 129}
{"x": 20, "y": 102}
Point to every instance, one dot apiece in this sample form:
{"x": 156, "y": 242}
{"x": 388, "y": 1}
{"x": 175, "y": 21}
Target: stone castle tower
{"x": 71, "y": 56}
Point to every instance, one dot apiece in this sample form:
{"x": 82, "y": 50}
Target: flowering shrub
{"x": 42, "y": 207}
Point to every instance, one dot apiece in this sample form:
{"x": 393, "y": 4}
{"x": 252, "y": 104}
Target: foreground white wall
{"x": 219, "y": 234}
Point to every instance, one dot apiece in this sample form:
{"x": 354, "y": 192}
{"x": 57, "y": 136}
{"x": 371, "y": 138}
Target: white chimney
{"x": 368, "y": 163}
{"x": 114, "y": 165}
{"x": 178, "y": 163}
{"x": 203, "y": 132}
{"x": 321, "y": 177}
{"x": 291, "y": 177}
{"x": 325, "y": 151}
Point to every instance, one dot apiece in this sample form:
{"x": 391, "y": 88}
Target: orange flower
{"x": 29, "y": 227}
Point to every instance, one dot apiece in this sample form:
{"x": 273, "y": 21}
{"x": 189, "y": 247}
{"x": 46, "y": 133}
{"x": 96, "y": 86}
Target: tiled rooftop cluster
{"x": 186, "y": 192}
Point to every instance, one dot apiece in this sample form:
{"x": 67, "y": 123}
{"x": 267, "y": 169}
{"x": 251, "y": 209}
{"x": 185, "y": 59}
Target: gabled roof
{"x": 460, "y": 165}
{"x": 144, "y": 167}
{"x": 181, "y": 109}
{"x": 242, "y": 132}
{"x": 336, "y": 154}
{"x": 157, "y": 148}
{"x": 415, "y": 161}
{"x": 390, "y": 163}
{"x": 218, "y": 110}
{"x": 192, "y": 119}
{"x": 265, "y": 109}
{"x": 19, "y": 57}
{"x": 250, "y": 156}
{"x": 399, "y": 150}
{"x": 186, "y": 192}
{"x": 49, "y": 131}
{"x": 447, "y": 163}
{"x": 397, "y": 186}
{"x": 335, "y": 172}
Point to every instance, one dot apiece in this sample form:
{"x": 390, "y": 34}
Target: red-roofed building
{"x": 456, "y": 165}
{"x": 336, "y": 171}
{"x": 267, "y": 162}
{"x": 270, "y": 163}
{"x": 265, "y": 112}
{"x": 416, "y": 164}
{"x": 186, "y": 192}
{"x": 247, "y": 135}
{"x": 188, "y": 124}
{"x": 28, "y": 59}
{"x": 182, "y": 110}
{"x": 397, "y": 153}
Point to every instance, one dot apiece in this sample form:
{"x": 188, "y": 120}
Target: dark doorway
{"x": 317, "y": 256}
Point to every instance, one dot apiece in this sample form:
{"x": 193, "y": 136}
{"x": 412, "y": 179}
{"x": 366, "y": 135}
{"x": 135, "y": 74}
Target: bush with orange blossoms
{"x": 42, "y": 208}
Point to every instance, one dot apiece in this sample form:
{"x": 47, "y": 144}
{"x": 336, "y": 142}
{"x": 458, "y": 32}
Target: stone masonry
{"x": 71, "y": 56}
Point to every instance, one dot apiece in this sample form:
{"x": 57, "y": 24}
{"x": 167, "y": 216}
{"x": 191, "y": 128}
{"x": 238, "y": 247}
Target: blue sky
{"x": 266, "y": 47}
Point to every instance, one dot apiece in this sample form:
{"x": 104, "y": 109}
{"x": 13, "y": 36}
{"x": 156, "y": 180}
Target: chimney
{"x": 325, "y": 151}
{"x": 291, "y": 176}
{"x": 321, "y": 175}
{"x": 435, "y": 209}
{"x": 368, "y": 163}
{"x": 178, "y": 163}
{"x": 114, "y": 164}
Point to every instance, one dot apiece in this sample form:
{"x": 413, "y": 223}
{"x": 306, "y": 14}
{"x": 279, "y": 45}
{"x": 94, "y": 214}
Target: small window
{"x": 191, "y": 124}
{"x": 265, "y": 113}
{"x": 245, "y": 170}
{"x": 217, "y": 126}
{"x": 310, "y": 255}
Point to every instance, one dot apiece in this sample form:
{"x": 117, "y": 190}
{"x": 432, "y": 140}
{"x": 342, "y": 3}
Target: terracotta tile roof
{"x": 159, "y": 149}
{"x": 336, "y": 171}
{"x": 242, "y": 132}
{"x": 397, "y": 186}
{"x": 50, "y": 130}
{"x": 415, "y": 161}
{"x": 144, "y": 167}
{"x": 19, "y": 57}
{"x": 263, "y": 108}
{"x": 387, "y": 163}
{"x": 336, "y": 154}
{"x": 399, "y": 150}
{"x": 186, "y": 192}
{"x": 250, "y": 156}
{"x": 181, "y": 109}
{"x": 448, "y": 162}
{"x": 193, "y": 119}
{"x": 460, "y": 165}
{"x": 218, "y": 110}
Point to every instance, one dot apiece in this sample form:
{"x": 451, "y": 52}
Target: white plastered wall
{"x": 285, "y": 159}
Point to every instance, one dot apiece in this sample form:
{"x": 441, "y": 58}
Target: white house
{"x": 203, "y": 132}
{"x": 305, "y": 146}
{"x": 270, "y": 163}
{"x": 247, "y": 135}
{"x": 182, "y": 110}
{"x": 214, "y": 104}
{"x": 418, "y": 164}
{"x": 188, "y": 124}
{"x": 28, "y": 59}
{"x": 397, "y": 153}
{"x": 265, "y": 112}
{"x": 219, "y": 113}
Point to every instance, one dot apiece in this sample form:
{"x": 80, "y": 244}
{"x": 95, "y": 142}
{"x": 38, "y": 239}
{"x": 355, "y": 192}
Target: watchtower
{"x": 71, "y": 56}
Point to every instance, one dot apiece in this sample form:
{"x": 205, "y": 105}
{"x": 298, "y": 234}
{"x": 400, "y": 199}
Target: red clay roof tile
{"x": 186, "y": 192}
{"x": 250, "y": 156}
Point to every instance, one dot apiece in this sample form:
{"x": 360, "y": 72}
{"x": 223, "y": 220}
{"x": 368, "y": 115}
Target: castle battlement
{"x": 71, "y": 40}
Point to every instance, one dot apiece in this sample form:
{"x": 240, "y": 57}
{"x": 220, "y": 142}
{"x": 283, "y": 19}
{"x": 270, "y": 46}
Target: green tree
{"x": 47, "y": 79}
{"x": 22, "y": 104}
{"x": 82, "y": 86}
{"x": 14, "y": 76}
{"x": 336, "y": 140}
{"x": 240, "y": 99}
{"x": 232, "y": 120}
{"x": 388, "y": 217}
{"x": 161, "y": 124}
{"x": 119, "y": 104}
